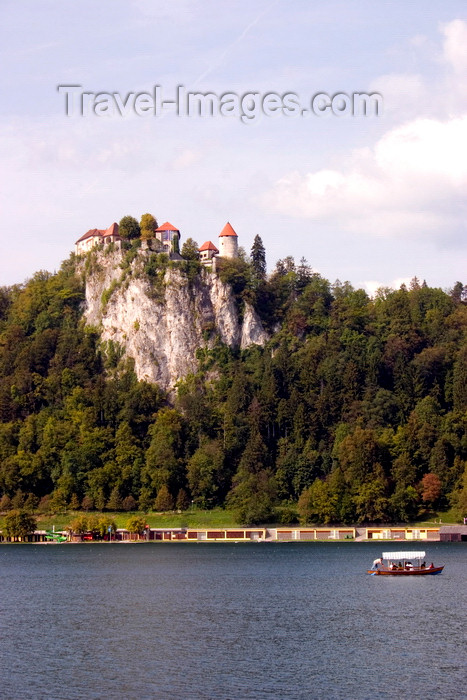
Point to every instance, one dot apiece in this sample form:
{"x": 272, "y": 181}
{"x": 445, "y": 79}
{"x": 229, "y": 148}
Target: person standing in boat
{"x": 377, "y": 562}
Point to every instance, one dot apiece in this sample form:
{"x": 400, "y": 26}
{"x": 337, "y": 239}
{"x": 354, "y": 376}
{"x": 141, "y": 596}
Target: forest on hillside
{"x": 355, "y": 411}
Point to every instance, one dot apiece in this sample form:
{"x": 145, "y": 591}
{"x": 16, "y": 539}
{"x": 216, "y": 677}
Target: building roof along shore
{"x": 444, "y": 533}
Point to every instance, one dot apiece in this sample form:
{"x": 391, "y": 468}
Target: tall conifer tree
{"x": 258, "y": 257}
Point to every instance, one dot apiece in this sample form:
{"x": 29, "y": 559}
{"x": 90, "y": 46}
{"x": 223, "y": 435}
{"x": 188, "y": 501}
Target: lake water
{"x": 225, "y": 621}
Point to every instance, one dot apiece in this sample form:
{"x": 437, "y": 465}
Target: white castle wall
{"x": 228, "y": 246}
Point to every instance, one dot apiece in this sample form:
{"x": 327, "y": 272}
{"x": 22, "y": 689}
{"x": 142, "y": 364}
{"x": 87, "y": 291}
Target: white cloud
{"x": 412, "y": 181}
{"x": 455, "y": 45}
{"x": 372, "y": 286}
{"x": 427, "y": 149}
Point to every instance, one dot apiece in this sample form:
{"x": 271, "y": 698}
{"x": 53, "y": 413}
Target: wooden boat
{"x": 403, "y": 564}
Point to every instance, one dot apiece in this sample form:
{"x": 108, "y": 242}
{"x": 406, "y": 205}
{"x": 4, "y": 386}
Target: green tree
{"x": 176, "y": 243}
{"x": 190, "y": 249}
{"x": 136, "y": 524}
{"x": 58, "y": 501}
{"x": 317, "y": 503}
{"x": 457, "y": 292}
{"x": 148, "y": 225}
{"x": 115, "y": 501}
{"x": 74, "y": 502}
{"x": 404, "y": 503}
{"x": 253, "y": 497}
{"x": 79, "y": 525}
{"x": 163, "y": 457}
{"x": 87, "y": 503}
{"x": 19, "y": 524}
{"x": 371, "y": 502}
{"x": 128, "y": 228}
{"x": 17, "y": 502}
{"x": 258, "y": 258}
{"x": 237, "y": 273}
{"x": 304, "y": 274}
{"x": 459, "y": 497}
{"x": 183, "y": 501}
{"x": 204, "y": 473}
{"x": 93, "y": 521}
{"x": 128, "y": 457}
{"x": 145, "y": 499}
{"x": 340, "y": 497}
{"x": 141, "y": 401}
{"x": 31, "y": 503}
{"x": 164, "y": 500}
{"x": 254, "y": 489}
{"x": 106, "y": 524}
{"x": 460, "y": 380}
{"x": 129, "y": 503}
{"x": 359, "y": 455}
{"x": 5, "y": 503}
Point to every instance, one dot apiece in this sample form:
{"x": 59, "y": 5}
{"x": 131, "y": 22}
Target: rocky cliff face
{"x": 161, "y": 325}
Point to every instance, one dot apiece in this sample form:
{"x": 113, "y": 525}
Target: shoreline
{"x": 258, "y": 535}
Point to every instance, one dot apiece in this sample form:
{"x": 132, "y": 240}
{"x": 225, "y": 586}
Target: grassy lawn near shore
{"x": 218, "y": 517}
{"x": 447, "y": 517}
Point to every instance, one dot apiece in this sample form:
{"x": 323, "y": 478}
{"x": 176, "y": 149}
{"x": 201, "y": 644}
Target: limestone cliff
{"x": 162, "y": 322}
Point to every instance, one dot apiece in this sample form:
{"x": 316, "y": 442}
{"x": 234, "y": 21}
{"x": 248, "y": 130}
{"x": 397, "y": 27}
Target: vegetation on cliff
{"x": 356, "y": 410}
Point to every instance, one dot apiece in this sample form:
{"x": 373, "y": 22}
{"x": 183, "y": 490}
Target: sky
{"x": 375, "y": 200}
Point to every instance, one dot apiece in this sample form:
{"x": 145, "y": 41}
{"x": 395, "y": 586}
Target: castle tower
{"x": 169, "y": 236}
{"x": 228, "y": 242}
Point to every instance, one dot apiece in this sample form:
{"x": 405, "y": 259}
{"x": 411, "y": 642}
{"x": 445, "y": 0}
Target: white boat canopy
{"x": 404, "y": 555}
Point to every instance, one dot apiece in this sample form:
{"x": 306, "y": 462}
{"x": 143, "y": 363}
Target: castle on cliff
{"x": 168, "y": 238}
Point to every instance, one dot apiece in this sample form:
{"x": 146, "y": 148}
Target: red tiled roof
{"x": 167, "y": 227}
{"x": 99, "y": 232}
{"x": 112, "y": 230}
{"x": 89, "y": 234}
{"x": 227, "y": 231}
{"x": 208, "y": 246}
